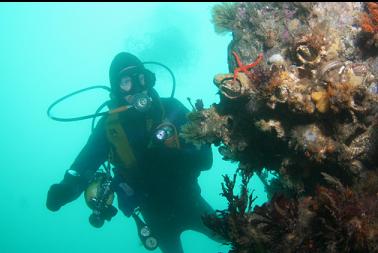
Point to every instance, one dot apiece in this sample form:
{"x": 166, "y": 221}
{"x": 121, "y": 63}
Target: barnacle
{"x": 233, "y": 89}
{"x": 307, "y": 54}
{"x": 313, "y": 142}
{"x": 310, "y": 49}
{"x": 271, "y": 126}
{"x": 277, "y": 62}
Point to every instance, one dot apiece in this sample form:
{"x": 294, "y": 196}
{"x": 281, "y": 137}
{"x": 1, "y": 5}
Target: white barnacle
{"x": 276, "y": 59}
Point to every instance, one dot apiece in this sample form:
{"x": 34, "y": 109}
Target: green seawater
{"x": 48, "y": 50}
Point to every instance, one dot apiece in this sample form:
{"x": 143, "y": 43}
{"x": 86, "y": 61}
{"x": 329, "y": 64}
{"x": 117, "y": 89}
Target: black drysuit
{"x": 165, "y": 182}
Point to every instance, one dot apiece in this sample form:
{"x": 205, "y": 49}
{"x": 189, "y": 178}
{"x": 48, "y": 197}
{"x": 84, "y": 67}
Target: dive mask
{"x": 133, "y": 88}
{"x": 132, "y": 80}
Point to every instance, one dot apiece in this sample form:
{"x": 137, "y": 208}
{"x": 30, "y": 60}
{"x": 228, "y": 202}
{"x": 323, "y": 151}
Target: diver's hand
{"x": 67, "y": 191}
{"x": 58, "y": 196}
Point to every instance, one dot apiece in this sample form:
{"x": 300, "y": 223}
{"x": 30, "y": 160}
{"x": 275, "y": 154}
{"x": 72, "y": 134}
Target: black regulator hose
{"x": 170, "y": 72}
{"x": 73, "y": 94}
{"x": 97, "y": 113}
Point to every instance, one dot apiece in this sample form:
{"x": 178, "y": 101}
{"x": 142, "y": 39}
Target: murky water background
{"x": 49, "y": 50}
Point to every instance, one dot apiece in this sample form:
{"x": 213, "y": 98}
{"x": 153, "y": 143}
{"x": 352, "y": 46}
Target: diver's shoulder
{"x": 170, "y": 102}
{"x": 175, "y": 110}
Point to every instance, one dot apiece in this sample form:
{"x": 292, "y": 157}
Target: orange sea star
{"x": 245, "y": 68}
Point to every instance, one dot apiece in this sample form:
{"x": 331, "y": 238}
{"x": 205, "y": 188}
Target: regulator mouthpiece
{"x": 141, "y": 102}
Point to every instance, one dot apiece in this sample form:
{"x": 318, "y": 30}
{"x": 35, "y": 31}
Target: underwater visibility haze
{"x": 286, "y": 94}
{"x": 48, "y": 50}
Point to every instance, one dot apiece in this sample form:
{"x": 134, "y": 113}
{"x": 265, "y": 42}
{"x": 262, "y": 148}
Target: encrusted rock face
{"x": 302, "y": 101}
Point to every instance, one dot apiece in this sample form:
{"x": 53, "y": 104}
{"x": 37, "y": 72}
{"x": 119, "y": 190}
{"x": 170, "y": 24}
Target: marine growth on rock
{"x": 307, "y": 111}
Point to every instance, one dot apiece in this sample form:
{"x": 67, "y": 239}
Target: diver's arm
{"x": 93, "y": 154}
{"x": 199, "y": 157}
{"x": 85, "y": 165}
{"x": 188, "y": 155}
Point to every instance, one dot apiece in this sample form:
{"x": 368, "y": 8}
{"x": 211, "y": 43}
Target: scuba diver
{"x": 150, "y": 168}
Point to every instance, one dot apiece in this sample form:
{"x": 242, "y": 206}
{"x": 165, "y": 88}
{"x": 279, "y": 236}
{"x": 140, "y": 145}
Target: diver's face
{"x": 129, "y": 86}
{"x": 125, "y": 84}
{"x": 142, "y": 80}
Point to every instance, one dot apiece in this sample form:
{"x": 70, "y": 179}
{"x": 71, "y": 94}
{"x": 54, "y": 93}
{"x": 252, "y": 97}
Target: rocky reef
{"x": 301, "y": 101}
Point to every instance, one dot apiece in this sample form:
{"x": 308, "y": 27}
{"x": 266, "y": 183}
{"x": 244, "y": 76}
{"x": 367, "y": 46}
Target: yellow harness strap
{"x": 120, "y": 143}
{"x": 118, "y": 138}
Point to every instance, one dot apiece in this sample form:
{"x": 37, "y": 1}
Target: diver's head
{"x": 130, "y": 81}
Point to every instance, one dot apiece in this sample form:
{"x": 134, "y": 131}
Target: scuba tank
{"x": 99, "y": 197}
{"x": 149, "y": 241}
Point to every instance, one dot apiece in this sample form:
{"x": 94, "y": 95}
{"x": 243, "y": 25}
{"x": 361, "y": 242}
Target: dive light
{"x": 164, "y": 132}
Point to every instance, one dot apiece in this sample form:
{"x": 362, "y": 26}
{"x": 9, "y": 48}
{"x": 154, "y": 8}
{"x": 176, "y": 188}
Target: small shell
{"x": 233, "y": 89}
{"x": 329, "y": 66}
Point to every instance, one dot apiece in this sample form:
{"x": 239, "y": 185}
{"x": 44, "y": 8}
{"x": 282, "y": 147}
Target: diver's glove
{"x": 69, "y": 189}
